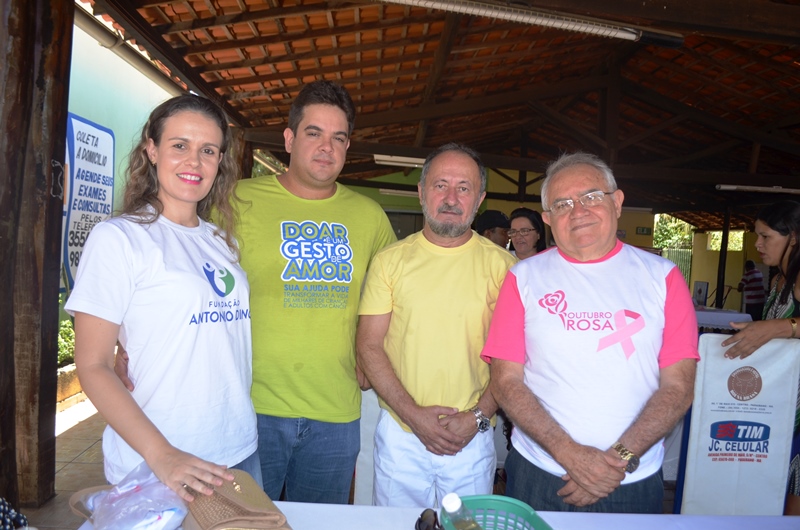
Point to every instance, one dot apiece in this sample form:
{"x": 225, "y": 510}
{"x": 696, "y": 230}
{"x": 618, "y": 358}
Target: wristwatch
{"x": 625, "y": 454}
{"x": 481, "y": 420}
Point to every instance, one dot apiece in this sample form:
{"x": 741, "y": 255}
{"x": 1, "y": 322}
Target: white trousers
{"x": 408, "y": 475}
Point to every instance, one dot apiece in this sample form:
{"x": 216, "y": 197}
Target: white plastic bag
{"x": 139, "y": 502}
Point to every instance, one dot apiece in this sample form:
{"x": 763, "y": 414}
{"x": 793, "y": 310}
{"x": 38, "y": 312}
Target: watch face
{"x": 633, "y": 464}
{"x": 484, "y": 425}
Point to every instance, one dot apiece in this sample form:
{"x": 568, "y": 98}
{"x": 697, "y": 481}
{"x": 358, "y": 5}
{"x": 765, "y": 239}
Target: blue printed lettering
{"x": 316, "y": 252}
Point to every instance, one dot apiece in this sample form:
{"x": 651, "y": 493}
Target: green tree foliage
{"x": 272, "y": 166}
{"x": 735, "y": 240}
{"x": 66, "y": 339}
{"x": 66, "y": 343}
{"x": 260, "y": 170}
{"x": 671, "y": 232}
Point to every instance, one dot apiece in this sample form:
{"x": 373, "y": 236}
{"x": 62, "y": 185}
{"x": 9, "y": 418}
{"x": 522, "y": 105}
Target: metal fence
{"x": 682, "y": 257}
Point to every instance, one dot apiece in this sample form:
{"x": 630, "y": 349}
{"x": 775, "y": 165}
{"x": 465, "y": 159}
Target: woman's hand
{"x": 753, "y": 335}
{"x": 178, "y": 469}
{"x": 95, "y": 339}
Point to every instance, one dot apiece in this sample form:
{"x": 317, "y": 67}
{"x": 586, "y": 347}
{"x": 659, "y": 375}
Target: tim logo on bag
{"x": 622, "y": 329}
{"x": 738, "y": 441}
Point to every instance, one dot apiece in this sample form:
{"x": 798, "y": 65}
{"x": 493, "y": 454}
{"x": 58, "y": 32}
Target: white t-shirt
{"x": 593, "y": 337}
{"x": 184, "y": 314}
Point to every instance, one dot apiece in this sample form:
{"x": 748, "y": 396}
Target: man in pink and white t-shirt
{"x": 593, "y": 347}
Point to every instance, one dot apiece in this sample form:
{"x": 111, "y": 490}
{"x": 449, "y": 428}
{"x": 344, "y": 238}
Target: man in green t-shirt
{"x": 306, "y": 242}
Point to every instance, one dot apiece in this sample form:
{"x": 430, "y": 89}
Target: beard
{"x": 450, "y": 230}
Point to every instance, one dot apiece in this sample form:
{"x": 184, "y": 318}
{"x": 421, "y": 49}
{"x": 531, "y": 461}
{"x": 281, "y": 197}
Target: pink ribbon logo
{"x": 625, "y": 330}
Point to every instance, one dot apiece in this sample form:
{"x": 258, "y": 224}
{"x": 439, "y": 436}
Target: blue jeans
{"x": 537, "y": 487}
{"x": 314, "y": 460}
{"x": 252, "y": 465}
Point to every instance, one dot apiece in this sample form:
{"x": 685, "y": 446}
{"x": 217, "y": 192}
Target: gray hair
{"x": 566, "y": 161}
{"x": 460, "y": 148}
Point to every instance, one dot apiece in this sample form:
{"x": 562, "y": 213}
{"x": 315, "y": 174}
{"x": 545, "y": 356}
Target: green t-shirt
{"x": 306, "y": 261}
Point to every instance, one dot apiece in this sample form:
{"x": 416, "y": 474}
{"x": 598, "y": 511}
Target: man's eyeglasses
{"x": 522, "y": 231}
{"x": 428, "y": 520}
{"x": 590, "y": 200}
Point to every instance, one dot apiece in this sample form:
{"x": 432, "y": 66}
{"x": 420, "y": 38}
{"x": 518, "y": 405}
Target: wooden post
{"x": 17, "y": 33}
{"x": 609, "y": 113}
{"x": 522, "y": 182}
{"x": 36, "y": 275}
{"x": 723, "y": 260}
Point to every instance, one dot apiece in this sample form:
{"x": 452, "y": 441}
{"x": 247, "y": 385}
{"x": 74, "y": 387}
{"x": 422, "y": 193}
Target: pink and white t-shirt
{"x": 593, "y": 337}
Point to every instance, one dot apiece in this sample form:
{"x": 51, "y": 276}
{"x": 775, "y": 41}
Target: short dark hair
{"x": 460, "y": 148}
{"x": 322, "y": 93}
{"x": 536, "y": 220}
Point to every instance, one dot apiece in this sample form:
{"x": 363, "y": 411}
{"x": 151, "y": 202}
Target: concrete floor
{"x": 79, "y": 464}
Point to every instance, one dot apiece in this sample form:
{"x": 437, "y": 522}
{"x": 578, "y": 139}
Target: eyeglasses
{"x": 428, "y": 520}
{"x": 522, "y": 231}
{"x": 590, "y": 200}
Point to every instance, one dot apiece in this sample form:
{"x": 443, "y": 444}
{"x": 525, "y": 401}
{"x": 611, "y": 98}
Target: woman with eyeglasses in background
{"x": 527, "y": 233}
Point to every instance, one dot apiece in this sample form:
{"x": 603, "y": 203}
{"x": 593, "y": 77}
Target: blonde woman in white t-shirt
{"x": 165, "y": 282}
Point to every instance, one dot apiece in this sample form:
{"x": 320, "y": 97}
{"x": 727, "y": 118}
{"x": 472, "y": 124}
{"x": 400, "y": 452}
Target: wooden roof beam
{"x": 572, "y": 127}
{"x": 608, "y": 114}
{"x": 636, "y": 138}
{"x": 440, "y": 57}
{"x": 138, "y": 28}
{"x": 701, "y": 154}
{"x": 354, "y": 93}
{"x": 320, "y": 33}
{"x": 246, "y": 17}
{"x": 272, "y": 139}
{"x": 468, "y": 106}
{"x": 733, "y": 129}
{"x": 316, "y": 54}
{"x": 747, "y": 19}
{"x": 697, "y": 176}
{"x": 332, "y": 69}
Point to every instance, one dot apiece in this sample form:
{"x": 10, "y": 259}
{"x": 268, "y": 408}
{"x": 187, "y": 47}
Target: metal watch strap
{"x": 627, "y": 455}
{"x": 623, "y": 451}
{"x": 482, "y": 422}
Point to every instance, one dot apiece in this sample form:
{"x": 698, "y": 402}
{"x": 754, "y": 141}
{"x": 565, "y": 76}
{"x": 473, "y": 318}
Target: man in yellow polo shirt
{"x": 424, "y": 315}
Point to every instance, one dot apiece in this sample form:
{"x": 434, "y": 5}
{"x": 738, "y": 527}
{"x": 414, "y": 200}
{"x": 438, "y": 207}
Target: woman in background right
{"x": 778, "y": 231}
{"x": 527, "y": 233}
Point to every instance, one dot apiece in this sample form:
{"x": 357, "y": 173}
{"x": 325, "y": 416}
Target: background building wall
{"x": 108, "y": 91}
{"x": 704, "y": 268}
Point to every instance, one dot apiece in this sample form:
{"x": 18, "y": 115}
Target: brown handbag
{"x": 237, "y": 505}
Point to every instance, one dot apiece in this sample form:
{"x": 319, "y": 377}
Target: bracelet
{"x": 794, "y": 328}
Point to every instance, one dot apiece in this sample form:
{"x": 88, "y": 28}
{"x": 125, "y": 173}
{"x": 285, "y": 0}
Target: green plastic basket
{"x": 495, "y": 512}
